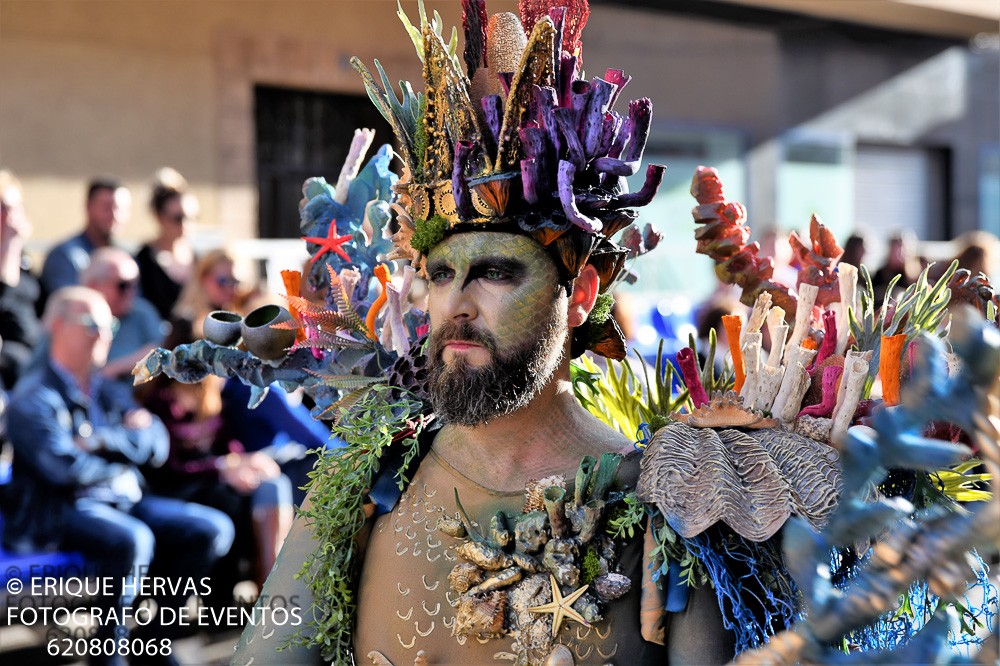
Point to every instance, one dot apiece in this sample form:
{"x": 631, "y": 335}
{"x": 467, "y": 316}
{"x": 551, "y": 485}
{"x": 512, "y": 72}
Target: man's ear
{"x": 584, "y": 295}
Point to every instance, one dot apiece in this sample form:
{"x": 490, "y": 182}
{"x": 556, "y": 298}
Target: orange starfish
{"x": 332, "y": 243}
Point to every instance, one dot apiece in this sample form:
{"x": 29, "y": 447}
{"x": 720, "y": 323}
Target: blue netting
{"x": 978, "y": 610}
{"x": 756, "y": 594}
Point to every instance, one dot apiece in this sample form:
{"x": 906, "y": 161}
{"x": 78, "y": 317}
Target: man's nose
{"x": 458, "y": 301}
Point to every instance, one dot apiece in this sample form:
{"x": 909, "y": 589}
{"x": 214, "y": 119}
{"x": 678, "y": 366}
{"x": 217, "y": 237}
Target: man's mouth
{"x": 462, "y": 345}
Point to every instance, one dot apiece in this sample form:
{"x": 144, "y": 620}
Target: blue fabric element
{"x": 274, "y": 420}
{"x": 677, "y": 590}
{"x": 756, "y": 594}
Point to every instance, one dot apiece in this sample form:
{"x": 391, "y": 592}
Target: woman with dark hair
{"x": 166, "y": 262}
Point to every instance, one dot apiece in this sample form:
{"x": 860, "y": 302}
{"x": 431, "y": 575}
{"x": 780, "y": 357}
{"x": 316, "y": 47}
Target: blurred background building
{"x": 876, "y": 114}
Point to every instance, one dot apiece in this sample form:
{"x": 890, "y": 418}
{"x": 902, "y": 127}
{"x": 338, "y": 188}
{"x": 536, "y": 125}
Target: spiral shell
{"x": 464, "y": 576}
{"x": 482, "y": 617}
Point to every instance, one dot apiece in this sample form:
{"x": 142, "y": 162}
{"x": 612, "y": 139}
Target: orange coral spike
{"x": 734, "y": 326}
{"x": 809, "y": 343}
{"x": 293, "y": 287}
{"x": 888, "y": 366}
{"x": 382, "y": 273}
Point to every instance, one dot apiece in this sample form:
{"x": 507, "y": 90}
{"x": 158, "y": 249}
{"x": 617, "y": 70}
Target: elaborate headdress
{"x": 518, "y": 142}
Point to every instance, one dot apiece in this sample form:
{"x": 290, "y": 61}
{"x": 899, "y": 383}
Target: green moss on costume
{"x": 428, "y": 233}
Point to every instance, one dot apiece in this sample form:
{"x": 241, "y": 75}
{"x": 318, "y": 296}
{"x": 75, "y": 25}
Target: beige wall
{"x": 124, "y": 87}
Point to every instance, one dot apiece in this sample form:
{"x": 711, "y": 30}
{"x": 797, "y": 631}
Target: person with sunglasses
{"x": 115, "y": 274}
{"x": 79, "y": 442}
{"x": 166, "y": 263}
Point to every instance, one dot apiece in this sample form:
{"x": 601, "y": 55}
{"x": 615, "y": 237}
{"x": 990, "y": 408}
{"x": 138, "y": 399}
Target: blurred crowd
{"x": 184, "y": 479}
{"x": 169, "y": 479}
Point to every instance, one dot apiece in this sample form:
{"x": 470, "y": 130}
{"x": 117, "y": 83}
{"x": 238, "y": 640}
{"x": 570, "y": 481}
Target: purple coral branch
{"x": 459, "y": 185}
{"x": 493, "y": 113}
{"x": 566, "y": 118}
{"x": 567, "y": 172}
{"x": 567, "y": 74}
{"x": 620, "y": 79}
{"x": 592, "y": 122}
{"x": 689, "y": 370}
{"x": 654, "y": 176}
{"x": 640, "y": 113}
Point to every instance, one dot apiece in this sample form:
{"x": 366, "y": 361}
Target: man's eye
{"x": 496, "y": 275}
{"x": 441, "y": 275}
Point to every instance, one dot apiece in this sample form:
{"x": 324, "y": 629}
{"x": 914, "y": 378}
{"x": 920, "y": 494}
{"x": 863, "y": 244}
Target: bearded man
{"x": 498, "y": 545}
{"x": 502, "y": 329}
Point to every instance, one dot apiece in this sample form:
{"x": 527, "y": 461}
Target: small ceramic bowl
{"x": 263, "y": 341}
{"x": 223, "y": 327}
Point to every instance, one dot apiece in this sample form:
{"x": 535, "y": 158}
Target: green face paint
{"x": 502, "y": 284}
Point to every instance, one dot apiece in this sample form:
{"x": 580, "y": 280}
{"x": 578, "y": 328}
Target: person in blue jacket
{"x": 78, "y": 443}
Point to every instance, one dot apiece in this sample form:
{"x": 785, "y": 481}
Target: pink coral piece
{"x": 689, "y": 369}
{"x": 829, "y": 344}
{"x": 831, "y": 374}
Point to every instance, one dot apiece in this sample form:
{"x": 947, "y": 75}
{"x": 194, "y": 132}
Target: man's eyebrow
{"x": 436, "y": 264}
{"x": 515, "y": 267}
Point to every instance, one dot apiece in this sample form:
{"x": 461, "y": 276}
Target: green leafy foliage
{"x": 591, "y": 567}
{"x": 623, "y": 400}
{"x": 669, "y": 548}
{"x": 920, "y": 308}
{"x": 713, "y": 384}
{"x": 339, "y": 483}
{"x": 624, "y": 521}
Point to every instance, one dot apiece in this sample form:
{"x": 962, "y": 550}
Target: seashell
{"x": 611, "y": 586}
{"x": 484, "y": 556}
{"x": 527, "y": 562}
{"x": 725, "y": 411}
{"x": 452, "y": 527}
{"x": 464, "y": 576}
{"x": 506, "y": 577}
{"x": 534, "y": 491}
{"x": 814, "y": 427}
{"x": 560, "y": 560}
{"x": 531, "y": 531}
{"x": 482, "y": 617}
{"x": 560, "y": 656}
{"x": 589, "y": 608}
{"x": 499, "y": 530}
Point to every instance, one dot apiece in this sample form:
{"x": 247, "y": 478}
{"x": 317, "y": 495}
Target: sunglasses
{"x": 87, "y": 320}
{"x": 227, "y": 282}
{"x": 125, "y": 286}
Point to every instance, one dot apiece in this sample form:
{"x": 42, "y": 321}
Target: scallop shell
{"x": 725, "y": 411}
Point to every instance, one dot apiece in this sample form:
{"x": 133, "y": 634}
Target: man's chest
{"x": 418, "y": 591}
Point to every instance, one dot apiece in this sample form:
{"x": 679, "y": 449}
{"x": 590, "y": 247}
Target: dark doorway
{"x": 301, "y": 134}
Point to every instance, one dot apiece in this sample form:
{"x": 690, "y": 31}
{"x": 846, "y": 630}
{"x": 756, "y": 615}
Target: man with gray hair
{"x": 79, "y": 441}
{"x": 115, "y": 275}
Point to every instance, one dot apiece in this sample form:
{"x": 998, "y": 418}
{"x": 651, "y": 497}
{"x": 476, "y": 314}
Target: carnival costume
{"x": 584, "y": 566}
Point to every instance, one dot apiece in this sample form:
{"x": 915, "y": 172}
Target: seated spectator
{"x": 78, "y": 443}
{"x": 167, "y": 261}
{"x": 19, "y": 290}
{"x": 213, "y": 286}
{"x": 209, "y": 465}
{"x": 114, "y": 274}
{"x": 109, "y": 206}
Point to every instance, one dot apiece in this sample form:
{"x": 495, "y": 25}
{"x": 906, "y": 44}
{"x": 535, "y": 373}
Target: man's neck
{"x": 96, "y": 238}
{"x": 81, "y": 375}
{"x": 550, "y": 435}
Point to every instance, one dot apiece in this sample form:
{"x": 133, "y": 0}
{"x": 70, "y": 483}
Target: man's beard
{"x": 470, "y": 396}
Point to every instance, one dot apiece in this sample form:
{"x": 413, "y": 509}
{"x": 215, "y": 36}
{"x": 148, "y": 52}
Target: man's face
{"x": 120, "y": 286}
{"x": 84, "y": 332}
{"x": 498, "y": 324}
{"x": 107, "y": 210}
